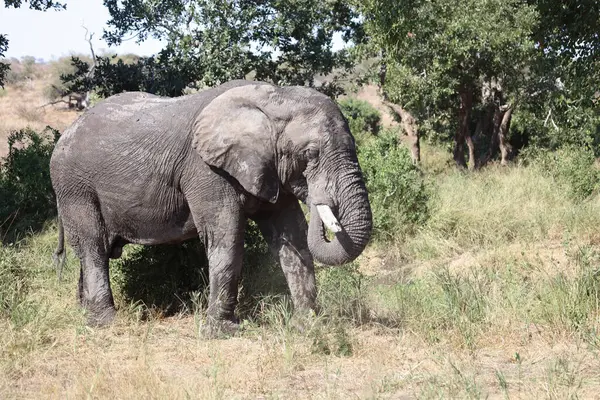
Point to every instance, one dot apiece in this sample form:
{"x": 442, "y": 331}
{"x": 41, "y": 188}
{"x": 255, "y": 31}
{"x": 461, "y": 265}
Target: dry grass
{"x": 167, "y": 360}
{"x": 497, "y": 296}
{"x": 20, "y": 106}
{"x": 506, "y": 321}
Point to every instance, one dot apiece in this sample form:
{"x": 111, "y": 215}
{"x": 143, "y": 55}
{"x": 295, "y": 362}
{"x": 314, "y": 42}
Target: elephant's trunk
{"x": 353, "y": 213}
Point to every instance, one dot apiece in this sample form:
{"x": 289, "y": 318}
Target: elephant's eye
{"x": 312, "y": 153}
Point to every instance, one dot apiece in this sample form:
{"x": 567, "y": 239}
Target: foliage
{"x": 26, "y": 195}
{"x": 160, "y": 75}
{"x": 285, "y": 42}
{"x": 563, "y": 119}
{"x": 4, "y": 67}
{"x": 40, "y": 5}
{"x": 572, "y": 165}
{"x": 440, "y": 46}
{"x": 568, "y": 34}
{"x": 538, "y": 56}
{"x": 361, "y": 115}
{"x": 22, "y": 70}
{"x": 168, "y": 278}
{"x": 164, "y": 278}
{"x": 397, "y": 191}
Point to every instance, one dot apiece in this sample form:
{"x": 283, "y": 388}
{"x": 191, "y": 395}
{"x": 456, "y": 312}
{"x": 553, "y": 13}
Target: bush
{"x": 361, "y": 116}
{"x": 26, "y": 195}
{"x": 397, "y": 191}
{"x": 574, "y": 166}
{"x": 63, "y": 66}
{"x": 22, "y": 71}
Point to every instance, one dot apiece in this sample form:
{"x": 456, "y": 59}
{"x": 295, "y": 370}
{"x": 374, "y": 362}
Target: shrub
{"x": 22, "y": 71}
{"x": 361, "y": 116}
{"x": 63, "y": 66}
{"x": 397, "y": 191}
{"x": 571, "y": 165}
{"x": 26, "y": 195}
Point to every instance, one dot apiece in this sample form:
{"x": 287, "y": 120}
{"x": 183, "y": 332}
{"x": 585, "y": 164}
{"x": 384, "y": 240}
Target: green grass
{"x": 497, "y": 207}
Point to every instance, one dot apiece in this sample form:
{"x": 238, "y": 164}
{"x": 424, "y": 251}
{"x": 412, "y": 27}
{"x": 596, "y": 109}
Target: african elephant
{"x": 139, "y": 168}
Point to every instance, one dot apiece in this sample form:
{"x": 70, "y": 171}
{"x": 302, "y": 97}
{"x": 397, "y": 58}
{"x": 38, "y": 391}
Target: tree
{"x": 40, "y": 5}
{"x": 4, "y": 67}
{"x": 287, "y": 42}
{"x": 160, "y": 75}
{"x": 476, "y": 65}
{"x": 442, "y": 54}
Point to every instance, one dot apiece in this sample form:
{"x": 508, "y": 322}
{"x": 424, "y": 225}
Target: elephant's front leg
{"x": 224, "y": 247}
{"x": 286, "y": 232}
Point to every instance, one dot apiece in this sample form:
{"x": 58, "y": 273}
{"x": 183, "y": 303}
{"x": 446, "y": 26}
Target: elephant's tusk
{"x": 328, "y": 218}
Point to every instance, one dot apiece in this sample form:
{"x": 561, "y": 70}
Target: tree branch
{"x": 88, "y": 38}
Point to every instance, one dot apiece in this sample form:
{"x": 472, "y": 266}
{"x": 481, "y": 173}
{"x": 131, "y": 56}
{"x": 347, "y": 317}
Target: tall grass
{"x": 500, "y": 206}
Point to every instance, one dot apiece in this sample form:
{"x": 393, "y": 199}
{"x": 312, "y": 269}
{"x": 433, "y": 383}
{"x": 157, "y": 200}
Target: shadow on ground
{"x": 170, "y": 279}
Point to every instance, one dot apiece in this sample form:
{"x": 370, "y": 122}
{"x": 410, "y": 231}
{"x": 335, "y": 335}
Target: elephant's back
{"x": 131, "y": 128}
{"x": 128, "y": 120}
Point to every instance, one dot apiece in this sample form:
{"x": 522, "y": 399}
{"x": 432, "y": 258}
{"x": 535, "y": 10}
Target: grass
{"x": 474, "y": 306}
{"x": 495, "y": 295}
{"x": 501, "y": 206}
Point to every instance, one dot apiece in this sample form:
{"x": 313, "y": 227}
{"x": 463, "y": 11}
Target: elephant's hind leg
{"x": 85, "y": 229}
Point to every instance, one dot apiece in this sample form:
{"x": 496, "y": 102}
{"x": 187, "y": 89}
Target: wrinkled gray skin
{"x": 139, "y": 168}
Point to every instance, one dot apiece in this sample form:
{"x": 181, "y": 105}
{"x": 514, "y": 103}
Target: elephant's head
{"x": 294, "y": 139}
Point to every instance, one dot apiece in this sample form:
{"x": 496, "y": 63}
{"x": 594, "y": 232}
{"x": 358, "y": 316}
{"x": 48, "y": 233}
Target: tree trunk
{"x": 498, "y": 139}
{"x": 495, "y": 126}
{"x": 410, "y": 127}
{"x": 382, "y": 75}
{"x": 505, "y": 147}
{"x": 463, "y": 135}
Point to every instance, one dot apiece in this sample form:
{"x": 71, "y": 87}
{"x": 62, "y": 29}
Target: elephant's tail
{"x": 60, "y": 253}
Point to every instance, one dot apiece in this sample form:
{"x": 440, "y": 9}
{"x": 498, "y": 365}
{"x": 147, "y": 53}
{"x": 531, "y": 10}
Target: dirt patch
{"x": 370, "y": 93}
{"x": 543, "y": 259}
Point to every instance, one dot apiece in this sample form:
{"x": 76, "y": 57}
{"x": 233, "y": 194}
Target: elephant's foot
{"x": 101, "y": 317}
{"x": 219, "y": 328}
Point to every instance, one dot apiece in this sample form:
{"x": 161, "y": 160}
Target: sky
{"x": 52, "y": 34}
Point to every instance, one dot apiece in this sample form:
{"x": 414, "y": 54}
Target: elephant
{"x": 145, "y": 169}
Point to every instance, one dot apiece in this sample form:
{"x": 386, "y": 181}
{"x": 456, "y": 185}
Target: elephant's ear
{"x": 234, "y": 134}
